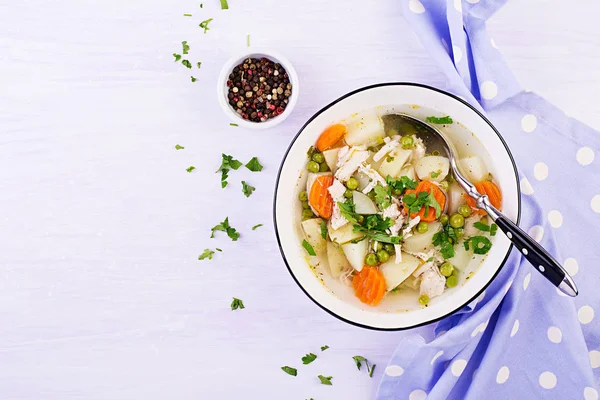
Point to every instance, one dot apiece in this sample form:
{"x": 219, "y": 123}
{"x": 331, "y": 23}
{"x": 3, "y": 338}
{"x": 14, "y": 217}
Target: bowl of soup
{"x": 369, "y": 220}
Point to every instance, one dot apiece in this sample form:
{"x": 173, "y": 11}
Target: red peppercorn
{"x": 244, "y": 115}
{"x": 236, "y": 99}
{"x": 271, "y": 107}
{"x": 259, "y": 114}
{"x": 229, "y": 83}
{"x": 280, "y": 110}
{"x": 247, "y": 104}
{"x": 249, "y": 72}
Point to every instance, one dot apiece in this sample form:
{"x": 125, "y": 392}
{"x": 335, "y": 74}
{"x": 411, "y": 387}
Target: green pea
{"x": 318, "y": 157}
{"x": 457, "y": 221}
{"x": 313, "y": 166}
{"x": 424, "y": 299}
{"x": 452, "y": 281}
{"x": 396, "y": 192}
{"x": 305, "y": 205}
{"x": 407, "y": 142}
{"x": 352, "y": 183}
{"x": 306, "y": 214}
{"x": 323, "y": 167}
{"x": 360, "y": 219}
{"x": 371, "y": 259}
{"x": 422, "y": 227}
{"x": 459, "y": 232}
{"x": 444, "y": 219}
{"x": 389, "y": 248}
{"x": 464, "y": 210}
{"x": 446, "y": 269}
{"x": 303, "y": 195}
{"x": 383, "y": 256}
{"x": 348, "y": 194}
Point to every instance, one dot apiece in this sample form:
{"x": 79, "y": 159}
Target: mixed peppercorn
{"x": 259, "y": 89}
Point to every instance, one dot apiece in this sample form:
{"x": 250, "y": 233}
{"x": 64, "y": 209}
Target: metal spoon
{"x": 533, "y": 252}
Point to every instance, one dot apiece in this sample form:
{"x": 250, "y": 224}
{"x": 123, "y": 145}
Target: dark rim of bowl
{"x": 337, "y": 101}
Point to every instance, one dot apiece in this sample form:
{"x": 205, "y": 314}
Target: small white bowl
{"x": 222, "y": 89}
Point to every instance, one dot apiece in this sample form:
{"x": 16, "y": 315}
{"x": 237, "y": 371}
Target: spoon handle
{"x": 537, "y": 256}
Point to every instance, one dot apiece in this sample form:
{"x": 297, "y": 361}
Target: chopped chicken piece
{"x": 374, "y": 176}
{"x": 349, "y": 159}
{"x": 336, "y": 190}
{"x": 432, "y": 282}
{"x": 419, "y": 150}
{"x": 406, "y": 233}
{"x": 398, "y": 249}
{"x": 389, "y": 146}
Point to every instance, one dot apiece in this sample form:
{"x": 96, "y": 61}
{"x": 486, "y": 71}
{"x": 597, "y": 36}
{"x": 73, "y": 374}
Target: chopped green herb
{"x": 481, "y": 244}
{"x": 445, "y": 238}
{"x": 323, "y": 348}
{"x": 187, "y": 15}
{"x": 227, "y": 162}
{"x": 232, "y": 124}
{"x": 247, "y": 189}
{"x": 382, "y": 197}
{"x": 325, "y": 380}
{"x": 422, "y": 199}
{"x": 256, "y": 226}
{"x": 218, "y": 249}
{"x": 190, "y": 168}
{"x": 204, "y": 24}
{"x": 435, "y": 174}
{"x": 347, "y": 211}
{"x": 253, "y": 165}
{"x": 358, "y": 360}
{"x": 481, "y": 226}
{"x": 178, "y": 147}
{"x": 389, "y": 159}
{"x": 399, "y": 185}
{"x": 206, "y": 254}
{"x": 370, "y": 371}
{"x": 396, "y": 289}
{"x": 177, "y": 56}
{"x": 225, "y": 227}
{"x": 199, "y": 64}
{"x": 376, "y": 222}
{"x": 493, "y": 230}
{"x": 381, "y": 237}
{"x": 186, "y": 63}
{"x": 201, "y": 5}
{"x": 290, "y": 370}
{"x": 224, "y": 5}
{"x": 248, "y": 40}
{"x": 447, "y": 250}
{"x": 193, "y": 79}
{"x": 358, "y": 240}
{"x": 309, "y": 249}
{"x": 323, "y": 230}
{"x": 237, "y": 303}
{"x": 442, "y": 120}
{"x": 307, "y": 359}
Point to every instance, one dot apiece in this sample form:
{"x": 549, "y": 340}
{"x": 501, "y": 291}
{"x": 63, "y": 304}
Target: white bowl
{"x": 286, "y": 210}
{"x": 222, "y": 88}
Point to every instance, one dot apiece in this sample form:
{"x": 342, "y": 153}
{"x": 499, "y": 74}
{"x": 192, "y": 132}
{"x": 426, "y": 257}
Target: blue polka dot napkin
{"x": 521, "y": 339}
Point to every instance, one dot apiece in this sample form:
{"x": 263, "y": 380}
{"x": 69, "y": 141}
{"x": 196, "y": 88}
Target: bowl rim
{"x": 235, "y": 60}
{"x": 323, "y": 109}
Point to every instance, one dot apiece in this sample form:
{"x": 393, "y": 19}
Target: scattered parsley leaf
{"x": 206, "y": 254}
{"x": 224, "y": 174}
{"x": 325, "y": 380}
{"x": 218, "y": 249}
{"x": 186, "y": 63}
{"x": 481, "y": 244}
{"x": 389, "y": 158}
{"x": 190, "y": 168}
{"x": 290, "y": 370}
{"x": 247, "y": 189}
{"x": 358, "y": 360}
{"x": 232, "y": 124}
{"x": 370, "y": 371}
{"x": 376, "y": 222}
{"x": 194, "y": 79}
{"x": 323, "y": 348}
{"x": 436, "y": 174}
{"x": 481, "y": 226}
{"x": 442, "y": 120}
{"x": 227, "y": 162}
{"x": 396, "y": 289}
{"x": 201, "y": 5}
{"x": 187, "y": 15}
{"x": 382, "y": 197}
{"x": 399, "y": 185}
{"x": 177, "y": 56}
{"x": 256, "y": 226}
{"x": 237, "y": 304}
{"x": 198, "y": 64}
{"x": 225, "y": 227}
{"x": 309, "y": 249}
{"x": 224, "y": 5}
{"x": 347, "y": 211}
{"x": 493, "y": 230}
{"x": 307, "y": 359}
{"x": 204, "y": 24}
{"x": 447, "y": 250}
{"x": 358, "y": 240}
{"x": 323, "y": 230}
{"x": 178, "y": 147}
{"x": 254, "y": 165}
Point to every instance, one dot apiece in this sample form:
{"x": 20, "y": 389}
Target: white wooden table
{"x": 101, "y": 292}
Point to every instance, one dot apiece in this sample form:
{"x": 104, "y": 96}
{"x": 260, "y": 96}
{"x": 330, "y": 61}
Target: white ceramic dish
{"x": 343, "y": 305}
{"x": 222, "y": 89}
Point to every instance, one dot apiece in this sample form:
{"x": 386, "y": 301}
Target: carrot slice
{"x": 493, "y": 192}
{"x": 331, "y": 136}
{"x": 369, "y": 285}
{"x": 319, "y": 198}
{"x": 427, "y": 186}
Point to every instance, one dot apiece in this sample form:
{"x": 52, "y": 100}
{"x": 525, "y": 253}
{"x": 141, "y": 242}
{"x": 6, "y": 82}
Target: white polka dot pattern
{"x": 416, "y": 6}
{"x": 529, "y": 123}
{"x": 540, "y": 171}
{"x": 394, "y": 370}
{"x": 595, "y": 203}
{"x": 554, "y": 334}
{"x": 458, "y": 367}
{"x": 458, "y": 54}
{"x": 547, "y": 380}
{"x": 417, "y": 395}
{"x": 585, "y": 156}
{"x": 571, "y": 266}
{"x": 536, "y": 232}
{"x": 488, "y": 90}
{"x": 589, "y": 393}
{"x": 585, "y": 315}
{"x": 526, "y": 187}
{"x": 594, "y": 358}
{"x": 436, "y": 356}
{"x": 515, "y": 328}
{"x": 503, "y": 374}
{"x": 555, "y": 218}
{"x": 526, "y": 281}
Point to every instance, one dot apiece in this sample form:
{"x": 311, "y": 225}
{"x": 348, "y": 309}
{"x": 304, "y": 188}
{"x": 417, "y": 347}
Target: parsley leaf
{"x": 232, "y": 124}
{"x": 253, "y": 165}
{"x": 358, "y": 360}
{"x": 445, "y": 238}
{"x": 442, "y": 120}
{"x": 370, "y": 371}
{"x": 186, "y": 48}
{"x": 177, "y": 56}
{"x": 290, "y": 370}
{"x": 481, "y": 226}
{"x": 227, "y": 162}
{"x": 224, "y": 5}
{"x": 204, "y": 24}
{"x": 493, "y": 230}
{"x": 201, "y": 5}
{"x": 447, "y": 250}
{"x": 187, "y": 15}
{"x": 481, "y": 244}
{"x": 186, "y": 63}
{"x": 309, "y": 249}
{"x": 256, "y": 226}
{"x": 218, "y": 249}
{"x": 422, "y": 199}
{"x": 178, "y": 147}
{"x": 399, "y": 185}
{"x": 247, "y": 189}
{"x": 325, "y": 380}
{"x": 323, "y": 230}
{"x": 376, "y": 222}
{"x": 237, "y": 304}
{"x": 198, "y": 64}
{"x": 307, "y": 359}
{"x": 206, "y": 254}
{"x": 193, "y": 79}
{"x": 436, "y": 174}
{"x": 347, "y": 211}
{"x": 190, "y": 168}
{"x": 323, "y": 348}
{"x": 224, "y": 227}
{"x": 382, "y": 197}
